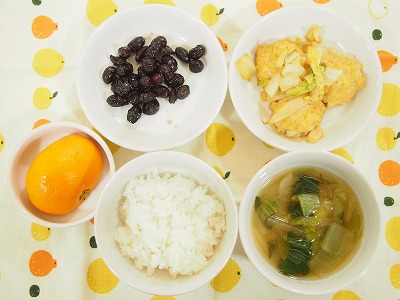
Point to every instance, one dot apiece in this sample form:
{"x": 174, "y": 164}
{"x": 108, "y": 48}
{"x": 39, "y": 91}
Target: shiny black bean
{"x": 149, "y": 65}
{"x": 147, "y": 96}
{"x": 159, "y": 42}
{"x": 177, "y": 80}
{"x": 116, "y": 60}
{"x": 170, "y": 61}
{"x": 137, "y": 43}
{"x": 134, "y": 98}
{"x": 157, "y": 78}
{"x": 141, "y": 72}
{"x": 144, "y": 82}
{"x": 163, "y": 68}
{"x": 141, "y": 54}
{"x": 133, "y": 80}
{"x": 152, "y": 107}
{"x": 183, "y": 91}
{"x": 182, "y": 54}
{"x": 124, "y": 52}
{"x": 124, "y": 69}
{"x": 196, "y": 66}
{"x": 152, "y": 52}
{"x": 122, "y": 89}
{"x": 197, "y": 52}
{"x": 167, "y": 50}
{"x": 109, "y": 74}
{"x": 161, "y": 91}
{"x": 172, "y": 96}
{"x": 117, "y": 101}
{"x": 134, "y": 114}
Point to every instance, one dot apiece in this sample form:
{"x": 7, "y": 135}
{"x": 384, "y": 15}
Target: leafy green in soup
{"x": 307, "y": 222}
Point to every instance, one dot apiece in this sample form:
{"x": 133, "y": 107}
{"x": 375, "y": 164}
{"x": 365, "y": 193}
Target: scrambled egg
{"x": 291, "y": 68}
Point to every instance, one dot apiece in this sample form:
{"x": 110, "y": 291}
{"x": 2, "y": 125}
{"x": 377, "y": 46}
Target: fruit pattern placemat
{"x": 43, "y": 263}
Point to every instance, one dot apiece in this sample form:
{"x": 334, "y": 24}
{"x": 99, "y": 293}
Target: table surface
{"x": 80, "y": 272}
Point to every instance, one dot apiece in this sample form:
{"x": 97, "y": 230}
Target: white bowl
{"x": 340, "y": 124}
{"x": 107, "y": 218}
{"x": 174, "y": 124}
{"x": 34, "y": 143}
{"x": 335, "y": 164}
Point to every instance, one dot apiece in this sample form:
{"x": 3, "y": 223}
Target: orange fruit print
{"x": 63, "y": 174}
{"x": 43, "y": 27}
{"x": 389, "y": 173}
{"x": 41, "y": 263}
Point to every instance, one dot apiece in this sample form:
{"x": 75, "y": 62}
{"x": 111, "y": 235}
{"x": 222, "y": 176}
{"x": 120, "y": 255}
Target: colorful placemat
{"x": 41, "y": 44}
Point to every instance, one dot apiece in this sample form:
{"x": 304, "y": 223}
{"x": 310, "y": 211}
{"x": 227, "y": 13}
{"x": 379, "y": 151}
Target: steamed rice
{"x": 169, "y": 222}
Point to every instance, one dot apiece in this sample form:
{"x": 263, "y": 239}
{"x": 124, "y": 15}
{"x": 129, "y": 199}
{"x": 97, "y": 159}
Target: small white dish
{"x": 357, "y": 265}
{"x": 34, "y": 143}
{"x": 341, "y": 124}
{"x": 174, "y": 124}
{"x": 106, "y": 221}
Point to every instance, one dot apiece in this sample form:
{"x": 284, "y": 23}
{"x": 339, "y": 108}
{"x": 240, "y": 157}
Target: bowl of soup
{"x": 309, "y": 222}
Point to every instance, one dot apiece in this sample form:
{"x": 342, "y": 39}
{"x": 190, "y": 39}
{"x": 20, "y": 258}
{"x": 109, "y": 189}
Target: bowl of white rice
{"x": 166, "y": 223}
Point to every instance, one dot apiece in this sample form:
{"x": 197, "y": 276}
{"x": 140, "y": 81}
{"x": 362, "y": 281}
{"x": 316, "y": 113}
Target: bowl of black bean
{"x": 152, "y": 78}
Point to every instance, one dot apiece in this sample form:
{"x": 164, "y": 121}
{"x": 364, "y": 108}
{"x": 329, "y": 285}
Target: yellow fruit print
{"x": 163, "y": 298}
{"x": 43, "y": 27}
{"x": 224, "y": 176}
{"x": 167, "y": 2}
{"x": 392, "y": 233}
{"x": 228, "y": 278}
{"x": 389, "y": 105}
{"x": 395, "y": 276}
{"x": 209, "y": 14}
{"x": 99, "y": 277}
{"x": 98, "y": 11}
{"x": 378, "y": 9}
{"x": 343, "y": 153}
{"x": 48, "y": 62}
{"x": 42, "y": 98}
{"x": 2, "y": 142}
{"x": 345, "y": 295}
{"x": 220, "y": 139}
{"x": 39, "y": 232}
{"x": 386, "y": 138}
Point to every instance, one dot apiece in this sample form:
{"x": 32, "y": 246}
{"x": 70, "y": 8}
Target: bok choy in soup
{"x": 307, "y": 222}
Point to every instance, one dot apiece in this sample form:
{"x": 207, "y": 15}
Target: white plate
{"x": 107, "y": 220}
{"x": 340, "y": 124}
{"x": 39, "y": 139}
{"x": 175, "y": 124}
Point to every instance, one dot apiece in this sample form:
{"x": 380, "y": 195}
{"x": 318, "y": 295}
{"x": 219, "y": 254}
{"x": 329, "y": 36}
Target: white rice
{"x": 169, "y": 222}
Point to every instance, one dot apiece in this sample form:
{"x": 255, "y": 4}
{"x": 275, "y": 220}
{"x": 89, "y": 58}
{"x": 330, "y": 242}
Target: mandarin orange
{"x": 63, "y": 174}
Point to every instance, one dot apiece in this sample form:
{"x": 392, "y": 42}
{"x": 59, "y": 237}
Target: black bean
{"x": 137, "y": 43}
{"x": 141, "y": 54}
{"x": 197, "y": 52}
{"x": 144, "y": 83}
{"x": 183, "y": 91}
{"x": 124, "y": 69}
{"x": 147, "y": 96}
{"x": 133, "y": 80}
{"x": 134, "y": 113}
{"x": 109, "y": 74}
{"x": 182, "y": 54}
{"x": 170, "y": 61}
{"x": 152, "y": 52}
{"x": 157, "y": 78}
{"x": 116, "y": 60}
{"x": 122, "y": 89}
{"x": 117, "y": 101}
{"x": 134, "y": 98}
{"x": 124, "y": 52}
{"x": 149, "y": 65}
{"x": 161, "y": 91}
{"x": 167, "y": 50}
{"x": 159, "y": 42}
{"x": 177, "y": 80}
{"x": 172, "y": 96}
{"x": 196, "y": 66}
{"x": 152, "y": 107}
{"x": 168, "y": 76}
{"x": 163, "y": 68}
{"x": 141, "y": 72}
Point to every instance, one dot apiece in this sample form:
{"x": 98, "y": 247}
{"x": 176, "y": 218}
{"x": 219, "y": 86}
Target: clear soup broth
{"x": 307, "y": 222}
